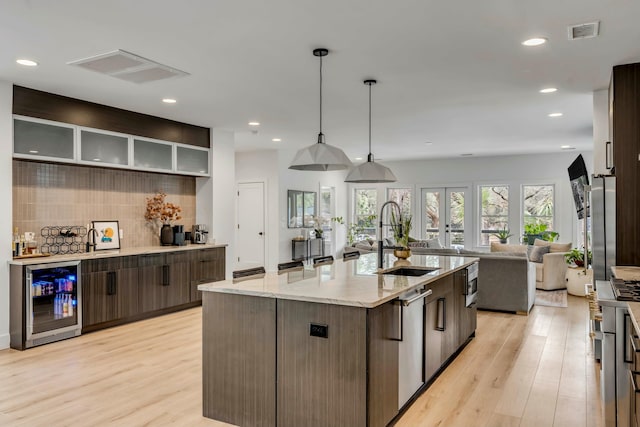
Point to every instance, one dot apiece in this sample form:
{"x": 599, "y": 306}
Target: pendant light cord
{"x": 320, "y": 95}
{"x": 369, "y": 119}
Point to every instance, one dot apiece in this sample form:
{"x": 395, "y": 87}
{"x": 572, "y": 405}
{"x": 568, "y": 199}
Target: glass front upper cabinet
{"x": 35, "y": 138}
{"x": 97, "y": 146}
{"x": 192, "y": 161}
{"x": 152, "y": 155}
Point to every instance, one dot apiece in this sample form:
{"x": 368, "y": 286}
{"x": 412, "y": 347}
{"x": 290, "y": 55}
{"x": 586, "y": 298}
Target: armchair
{"x": 551, "y": 272}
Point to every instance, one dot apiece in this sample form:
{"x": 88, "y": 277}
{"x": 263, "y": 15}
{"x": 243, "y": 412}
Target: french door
{"x": 445, "y": 213}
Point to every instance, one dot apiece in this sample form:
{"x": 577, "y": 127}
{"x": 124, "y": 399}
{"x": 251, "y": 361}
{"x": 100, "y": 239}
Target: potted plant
{"x": 160, "y": 211}
{"x": 503, "y": 234}
{"x": 401, "y": 228}
{"x": 575, "y": 257}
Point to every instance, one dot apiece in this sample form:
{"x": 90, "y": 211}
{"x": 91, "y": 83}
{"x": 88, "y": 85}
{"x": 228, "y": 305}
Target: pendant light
{"x": 320, "y": 156}
{"x": 370, "y": 171}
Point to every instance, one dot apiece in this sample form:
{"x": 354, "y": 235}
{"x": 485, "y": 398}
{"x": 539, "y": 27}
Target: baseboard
{"x": 4, "y": 341}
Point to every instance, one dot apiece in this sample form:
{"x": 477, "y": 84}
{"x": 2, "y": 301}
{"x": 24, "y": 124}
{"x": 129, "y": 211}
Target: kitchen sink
{"x": 410, "y": 271}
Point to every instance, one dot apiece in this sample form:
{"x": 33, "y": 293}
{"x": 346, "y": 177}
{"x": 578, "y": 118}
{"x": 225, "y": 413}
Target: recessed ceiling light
{"x": 169, "y": 101}
{"x": 536, "y": 41}
{"x": 27, "y": 62}
{"x": 276, "y": 140}
{"x": 358, "y": 158}
{"x": 428, "y": 142}
{"x": 555, "y": 115}
{"x": 254, "y": 123}
{"x": 548, "y": 90}
{"x": 96, "y": 160}
{"x": 567, "y": 147}
{"x": 466, "y": 155}
{"x": 33, "y": 151}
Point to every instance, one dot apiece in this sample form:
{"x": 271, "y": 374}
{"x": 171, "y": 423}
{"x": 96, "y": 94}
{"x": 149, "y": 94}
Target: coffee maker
{"x": 199, "y": 234}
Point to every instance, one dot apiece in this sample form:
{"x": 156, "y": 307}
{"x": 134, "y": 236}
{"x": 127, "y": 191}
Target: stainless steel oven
{"x": 471, "y": 288}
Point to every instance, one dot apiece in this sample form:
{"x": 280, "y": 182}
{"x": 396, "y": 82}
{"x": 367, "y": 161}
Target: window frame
{"x": 480, "y": 216}
{"x": 522, "y": 207}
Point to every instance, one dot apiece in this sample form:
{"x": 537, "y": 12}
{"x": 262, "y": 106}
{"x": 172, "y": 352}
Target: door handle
{"x": 260, "y": 233}
{"x": 165, "y": 275}
{"x": 111, "y": 283}
{"x": 442, "y": 314}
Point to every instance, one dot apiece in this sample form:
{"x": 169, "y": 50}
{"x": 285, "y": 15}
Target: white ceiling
{"x": 450, "y": 72}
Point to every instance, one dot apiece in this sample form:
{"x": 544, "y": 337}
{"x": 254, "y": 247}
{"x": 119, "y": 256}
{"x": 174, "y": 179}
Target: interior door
{"x": 250, "y": 238}
{"x": 327, "y": 210}
{"x": 445, "y": 215}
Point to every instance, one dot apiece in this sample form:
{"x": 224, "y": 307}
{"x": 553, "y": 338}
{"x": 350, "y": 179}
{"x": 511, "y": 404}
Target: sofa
{"x": 506, "y": 280}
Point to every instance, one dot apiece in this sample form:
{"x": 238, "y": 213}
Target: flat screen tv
{"x": 579, "y": 177}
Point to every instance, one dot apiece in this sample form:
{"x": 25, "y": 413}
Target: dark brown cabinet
{"x": 440, "y": 327}
{"x": 466, "y": 316}
{"x": 625, "y": 129}
{"x": 163, "y": 281}
{"x": 207, "y": 265}
{"x": 109, "y": 290}
{"x": 123, "y": 289}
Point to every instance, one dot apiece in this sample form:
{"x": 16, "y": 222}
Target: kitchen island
{"x": 332, "y": 345}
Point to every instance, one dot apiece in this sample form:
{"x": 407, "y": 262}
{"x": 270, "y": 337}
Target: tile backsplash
{"x": 47, "y": 194}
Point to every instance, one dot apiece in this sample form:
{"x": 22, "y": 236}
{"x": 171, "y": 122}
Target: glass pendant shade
{"x": 370, "y": 172}
{"x": 320, "y": 156}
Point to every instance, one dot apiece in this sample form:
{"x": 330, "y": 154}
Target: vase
{"x": 403, "y": 253}
{"x": 166, "y": 235}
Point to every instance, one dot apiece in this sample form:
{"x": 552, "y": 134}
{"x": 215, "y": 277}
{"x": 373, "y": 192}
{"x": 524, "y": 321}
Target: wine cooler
{"x": 53, "y": 299}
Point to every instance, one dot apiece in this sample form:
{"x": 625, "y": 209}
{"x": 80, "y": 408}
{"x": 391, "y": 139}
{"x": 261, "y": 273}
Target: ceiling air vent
{"x": 584, "y": 31}
{"x": 128, "y": 66}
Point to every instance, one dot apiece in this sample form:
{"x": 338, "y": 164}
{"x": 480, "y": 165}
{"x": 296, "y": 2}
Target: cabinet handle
{"x": 424, "y": 294}
{"x": 608, "y": 154}
{"x": 442, "y": 315}
{"x": 112, "y": 283}
{"x": 165, "y": 275}
{"x": 625, "y": 335}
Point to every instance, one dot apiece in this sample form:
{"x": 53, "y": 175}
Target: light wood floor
{"x": 518, "y": 371}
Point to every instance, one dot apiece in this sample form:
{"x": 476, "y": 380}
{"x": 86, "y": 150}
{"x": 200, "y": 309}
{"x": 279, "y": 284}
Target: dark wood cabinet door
{"x": 207, "y": 265}
{"x": 97, "y": 305}
{"x": 433, "y": 337}
{"x": 164, "y": 281}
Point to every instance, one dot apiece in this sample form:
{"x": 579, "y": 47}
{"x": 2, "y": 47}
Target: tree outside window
{"x": 365, "y": 202}
{"x": 402, "y": 196}
{"x": 538, "y": 205}
{"x": 494, "y": 211}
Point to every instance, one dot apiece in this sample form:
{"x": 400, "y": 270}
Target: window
{"x": 402, "y": 196}
{"x": 538, "y": 206}
{"x": 365, "y": 203}
{"x": 494, "y": 211}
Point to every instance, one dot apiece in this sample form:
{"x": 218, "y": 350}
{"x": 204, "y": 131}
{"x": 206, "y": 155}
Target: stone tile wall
{"x": 46, "y": 194}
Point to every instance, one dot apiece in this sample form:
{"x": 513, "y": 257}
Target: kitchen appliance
{"x": 200, "y": 234}
{"x": 603, "y": 225}
{"x": 471, "y": 288}
{"x": 411, "y": 346}
{"x": 178, "y": 235}
{"x": 53, "y": 302}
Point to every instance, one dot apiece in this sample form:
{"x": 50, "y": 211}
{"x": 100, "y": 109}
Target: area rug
{"x": 551, "y": 298}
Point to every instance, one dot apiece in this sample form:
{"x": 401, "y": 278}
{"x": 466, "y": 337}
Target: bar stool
{"x": 284, "y": 267}
{"x": 247, "y": 274}
{"x": 323, "y": 260}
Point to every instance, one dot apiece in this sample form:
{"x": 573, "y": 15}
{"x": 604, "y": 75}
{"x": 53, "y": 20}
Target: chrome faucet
{"x": 90, "y": 232}
{"x": 381, "y": 247}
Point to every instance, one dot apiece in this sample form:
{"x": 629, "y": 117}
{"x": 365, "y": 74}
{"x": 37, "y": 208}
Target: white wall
{"x": 6, "y": 146}
{"x": 215, "y": 205}
{"x": 262, "y": 166}
{"x": 474, "y": 171}
{"x": 600, "y": 130}
{"x": 272, "y": 167}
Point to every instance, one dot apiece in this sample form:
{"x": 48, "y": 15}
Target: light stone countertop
{"x": 634, "y": 311}
{"x": 144, "y": 250}
{"x": 352, "y": 282}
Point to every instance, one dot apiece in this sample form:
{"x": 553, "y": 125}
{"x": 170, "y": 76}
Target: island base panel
{"x": 239, "y": 359}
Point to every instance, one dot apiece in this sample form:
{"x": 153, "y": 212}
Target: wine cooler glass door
{"x": 53, "y": 301}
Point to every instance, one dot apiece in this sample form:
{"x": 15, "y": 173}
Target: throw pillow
{"x": 553, "y": 247}
{"x": 363, "y": 244}
{"x": 537, "y": 253}
{"x": 433, "y": 244}
{"x": 390, "y": 241}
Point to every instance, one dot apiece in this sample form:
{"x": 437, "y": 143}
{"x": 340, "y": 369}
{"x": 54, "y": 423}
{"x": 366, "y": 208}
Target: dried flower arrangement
{"x": 158, "y": 209}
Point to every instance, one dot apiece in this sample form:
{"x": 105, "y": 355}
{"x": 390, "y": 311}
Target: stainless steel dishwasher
{"x": 411, "y": 345}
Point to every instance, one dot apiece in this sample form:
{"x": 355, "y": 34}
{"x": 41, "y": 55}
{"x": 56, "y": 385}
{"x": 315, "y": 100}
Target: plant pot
{"x": 166, "y": 235}
{"x": 402, "y": 253}
{"x": 503, "y": 240}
